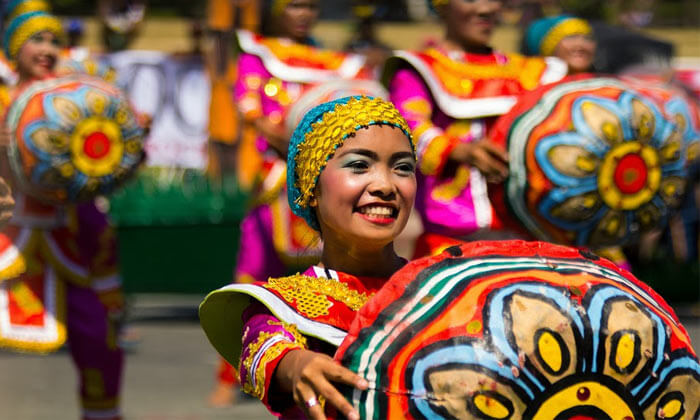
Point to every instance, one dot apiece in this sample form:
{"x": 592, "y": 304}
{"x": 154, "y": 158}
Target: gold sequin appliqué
{"x": 257, "y": 389}
{"x": 310, "y": 294}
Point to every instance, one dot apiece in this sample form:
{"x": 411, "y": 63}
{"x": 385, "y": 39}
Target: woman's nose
{"x": 381, "y": 183}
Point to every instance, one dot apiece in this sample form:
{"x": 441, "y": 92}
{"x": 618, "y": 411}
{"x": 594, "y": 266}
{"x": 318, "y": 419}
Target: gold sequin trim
{"x": 293, "y": 330}
{"x": 258, "y": 390}
{"x": 328, "y": 134}
{"x": 310, "y": 294}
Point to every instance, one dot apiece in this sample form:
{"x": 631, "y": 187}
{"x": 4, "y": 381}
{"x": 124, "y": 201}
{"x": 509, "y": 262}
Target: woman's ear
{"x": 313, "y": 202}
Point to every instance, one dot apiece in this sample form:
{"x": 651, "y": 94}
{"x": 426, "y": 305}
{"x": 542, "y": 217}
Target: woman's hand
{"x": 484, "y": 155}
{"x": 275, "y": 134}
{"x": 308, "y": 376}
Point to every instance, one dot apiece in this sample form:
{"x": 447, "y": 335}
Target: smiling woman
{"x": 351, "y": 176}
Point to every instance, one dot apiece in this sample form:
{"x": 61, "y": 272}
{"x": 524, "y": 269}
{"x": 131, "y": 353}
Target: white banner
{"x": 174, "y": 90}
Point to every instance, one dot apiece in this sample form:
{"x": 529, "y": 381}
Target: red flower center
{"x": 631, "y": 174}
{"x": 96, "y": 145}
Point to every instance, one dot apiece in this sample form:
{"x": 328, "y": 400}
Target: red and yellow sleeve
{"x": 266, "y": 341}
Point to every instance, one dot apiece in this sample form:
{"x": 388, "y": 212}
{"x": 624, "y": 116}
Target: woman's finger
{"x": 337, "y": 373}
{"x": 307, "y": 398}
{"x": 335, "y": 398}
{"x": 496, "y": 151}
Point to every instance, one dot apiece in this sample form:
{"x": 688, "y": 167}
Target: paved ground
{"x": 168, "y": 375}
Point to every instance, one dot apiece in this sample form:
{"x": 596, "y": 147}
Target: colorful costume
{"x": 58, "y": 281}
{"x": 58, "y": 275}
{"x": 312, "y": 310}
{"x": 452, "y": 97}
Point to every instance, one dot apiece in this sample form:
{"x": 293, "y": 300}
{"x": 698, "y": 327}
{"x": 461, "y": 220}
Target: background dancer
{"x": 450, "y": 94}
{"x": 71, "y": 248}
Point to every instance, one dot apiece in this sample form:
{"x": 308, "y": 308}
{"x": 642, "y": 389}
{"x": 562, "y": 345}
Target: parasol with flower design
{"x": 520, "y": 330}
{"x": 73, "y": 138}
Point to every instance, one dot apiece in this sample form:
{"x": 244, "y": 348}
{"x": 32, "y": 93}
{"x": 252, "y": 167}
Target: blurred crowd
{"x": 256, "y": 67}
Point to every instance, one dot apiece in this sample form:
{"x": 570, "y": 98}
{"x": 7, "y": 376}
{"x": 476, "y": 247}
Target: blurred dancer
{"x": 565, "y": 37}
{"x": 232, "y": 147}
{"x": 274, "y": 71}
{"x": 571, "y": 40}
{"x": 364, "y": 40}
{"x": 450, "y": 95}
{"x": 59, "y": 274}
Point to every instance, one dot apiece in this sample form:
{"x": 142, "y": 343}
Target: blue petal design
{"x": 565, "y": 139}
{"x": 595, "y": 315}
{"x": 582, "y": 126}
{"x": 679, "y": 106}
{"x": 662, "y": 127}
{"x": 459, "y": 354}
{"x": 497, "y": 327}
{"x": 41, "y": 154}
{"x": 683, "y": 364}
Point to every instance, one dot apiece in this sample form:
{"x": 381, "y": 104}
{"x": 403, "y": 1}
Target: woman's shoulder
{"x": 320, "y": 303}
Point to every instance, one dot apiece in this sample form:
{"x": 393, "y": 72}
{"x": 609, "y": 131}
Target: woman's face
{"x": 471, "y": 22}
{"x": 298, "y": 18}
{"x": 37, "y": 58}
{"x": 365, "y": 194}
{"x": 577, "y": 51}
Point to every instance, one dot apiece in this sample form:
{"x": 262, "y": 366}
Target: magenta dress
{"x": 448, "y": 98}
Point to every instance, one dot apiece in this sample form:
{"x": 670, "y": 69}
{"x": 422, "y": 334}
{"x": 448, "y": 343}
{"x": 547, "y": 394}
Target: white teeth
{"x": 376, "y": 211}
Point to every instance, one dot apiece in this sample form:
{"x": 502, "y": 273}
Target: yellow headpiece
{"x": 560, "y": 29}
{"x": 26, "y": 25}
{"x": 324, "y": 129}
{"x": 20, "y": 7}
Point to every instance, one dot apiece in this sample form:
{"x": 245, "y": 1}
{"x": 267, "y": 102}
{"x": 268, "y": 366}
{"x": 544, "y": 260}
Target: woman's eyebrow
{"x": 364, "y": 152}
{"x": 401, "y": 155}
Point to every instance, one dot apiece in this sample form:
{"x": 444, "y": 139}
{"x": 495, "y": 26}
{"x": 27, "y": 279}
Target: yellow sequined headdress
{"x": 24, "y": 26}
{"x": 20, "y": 7}
{"x": 323, "y": 130}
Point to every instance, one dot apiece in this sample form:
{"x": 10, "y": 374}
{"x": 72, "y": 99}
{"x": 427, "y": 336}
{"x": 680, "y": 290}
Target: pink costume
{"x": 449, "y": 98}
{"x": 273, "y": 74}
{"x": 312, "y": 311}
{"x": 58, "y": 281}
